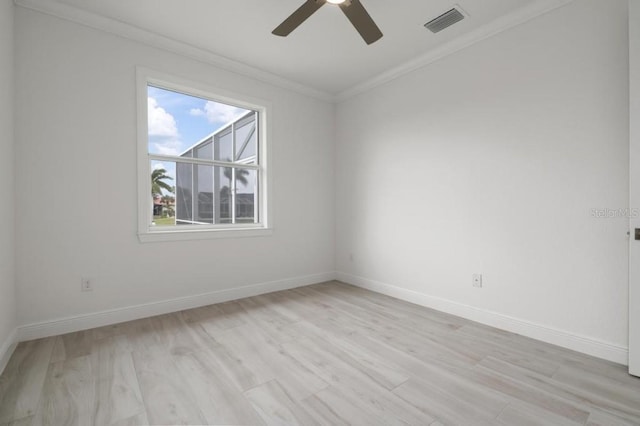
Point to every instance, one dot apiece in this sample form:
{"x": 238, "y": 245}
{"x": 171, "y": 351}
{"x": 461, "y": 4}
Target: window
{"x": 202, "y": 161}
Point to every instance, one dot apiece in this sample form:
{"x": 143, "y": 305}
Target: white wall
{"x": 76, "y": 180}
{"x": 7, "y": 282}
{"x": 490, "y": 161}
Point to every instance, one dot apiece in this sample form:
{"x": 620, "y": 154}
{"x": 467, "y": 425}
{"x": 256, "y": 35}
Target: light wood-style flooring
{"x": 327, "y": 354}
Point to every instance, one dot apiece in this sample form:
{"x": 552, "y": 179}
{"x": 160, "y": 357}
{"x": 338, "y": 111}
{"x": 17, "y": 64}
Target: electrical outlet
{"x": 476, "y": 280}
{"x": 86, "y": 284}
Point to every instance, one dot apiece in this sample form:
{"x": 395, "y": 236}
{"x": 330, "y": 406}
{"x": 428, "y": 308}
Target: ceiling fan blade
{"x": 298, "y": 17}
{"x": 360, "y": 19}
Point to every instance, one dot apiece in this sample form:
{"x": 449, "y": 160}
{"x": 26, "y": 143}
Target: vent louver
{"x": 444, "y": 21}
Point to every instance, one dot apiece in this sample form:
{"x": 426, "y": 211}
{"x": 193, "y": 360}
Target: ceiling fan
{"x": 353, "y": 9}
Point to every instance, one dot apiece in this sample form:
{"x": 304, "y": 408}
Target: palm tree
{"x": 241, "y": 175}
{"x": 158, "y": 177}
{"x": 169, "y": 201}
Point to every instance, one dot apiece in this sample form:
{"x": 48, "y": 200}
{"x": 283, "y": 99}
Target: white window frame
{"x": 147, "y": 232}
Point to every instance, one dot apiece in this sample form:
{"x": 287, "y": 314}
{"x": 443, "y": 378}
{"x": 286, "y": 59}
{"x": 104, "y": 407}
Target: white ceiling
{"x": 325, "y": 53}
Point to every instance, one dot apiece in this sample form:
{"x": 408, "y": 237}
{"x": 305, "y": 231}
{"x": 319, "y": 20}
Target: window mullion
{"x": 233, "y": 173}
{"x": 193, "y": 192}
{"x": 200, "y": 161}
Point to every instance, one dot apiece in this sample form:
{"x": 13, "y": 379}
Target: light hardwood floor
{"x": 327, "y": 354}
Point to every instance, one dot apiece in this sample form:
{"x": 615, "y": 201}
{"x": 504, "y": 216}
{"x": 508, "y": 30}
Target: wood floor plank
{"x": 328, "y": 354}
{"x": 382, "y": 370}
{"x": 223, "y": 316}
{"x": 452, "y": 400}
{"x": 137, "y": 420}
{"x": 68, "y": 396}
{"x": 23, "y": 378}
{"x": 266, "y": 361}
{"x": 109, "y": 331}
{"x": 304, "y": 307}
{"x": 356, "y": 383}
{"x": 142, "y": 336}
{"x": 58, "y": 353}
{"x": 605, "y": 368}
{"x": 167, "y": 397}
{"x": 276, "y": 407}
{"x": 175, "y": 336}
{"x": 419, "y": 365}
{"x": 76, "y": 344}
{"x": 601, "y": 418}
{"x": 249, "y": 367}
{"x": 280, "y": 303}
{"x": 525, "y": 415}
{"x": 546, "y": 351}
{"x": 400, "y": 308}
{"x": 616, "y": 393}
{"x": 406, "y": 341}
{"x": 412, "y": 339}
{"x": 561, "y": 393}
{"x": 271, "y": 322}
{"x": 27, "y": 421}
{"x": 118, "y": 395}
{"x": 507, "y": 352}
{"x": 217, "y": 396}
{"x": 331, "y": 407}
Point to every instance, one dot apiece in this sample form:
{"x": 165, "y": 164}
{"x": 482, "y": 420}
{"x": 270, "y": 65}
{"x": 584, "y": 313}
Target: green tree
{"x": 158, "y": 177}
{"x": 169, "y": 201}
{"x": 241, "y": 175}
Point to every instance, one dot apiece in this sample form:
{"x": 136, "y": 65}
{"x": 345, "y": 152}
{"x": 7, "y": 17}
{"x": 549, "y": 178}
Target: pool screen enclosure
{"x": 225, "y": 193}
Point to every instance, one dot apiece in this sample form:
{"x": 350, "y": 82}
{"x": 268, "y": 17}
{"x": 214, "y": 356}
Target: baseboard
{"x": 130, "y": 313}
{"x": 6, "y": 349}
{"x": 554, "y": 336}
{"x": 546, "y": 334}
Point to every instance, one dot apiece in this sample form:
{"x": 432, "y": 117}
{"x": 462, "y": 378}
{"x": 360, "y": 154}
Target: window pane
{"x": 163, "y": 192}
{"x": 204, "y": 189}
{"x": 184, "y": 193}
{"x": 223, "y": 146}
{"x": 190, "y": 127}
{"x": 246, "y": 196}
{"x": 213, "y": 196}
{"x": 246, "y": 139}
{"x": 174, "y": 122}
{"x": 205, "y": 150}
{"x": 224, "y": 200}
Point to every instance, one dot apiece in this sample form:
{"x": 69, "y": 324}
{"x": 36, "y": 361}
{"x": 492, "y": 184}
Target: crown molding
{"x": 149, "y": 38}
{"x": 496, "y": 26}
{"x": 121, "y": 29}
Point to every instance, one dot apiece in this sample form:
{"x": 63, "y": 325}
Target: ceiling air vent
{"x": 445, "y": 20}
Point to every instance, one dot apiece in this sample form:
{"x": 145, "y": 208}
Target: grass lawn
{"x": 164, "y": 221}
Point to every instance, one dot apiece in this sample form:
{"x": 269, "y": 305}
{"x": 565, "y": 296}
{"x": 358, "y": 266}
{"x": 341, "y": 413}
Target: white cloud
{"x": 163, "y": 131}
{"x": 161, "y": 123}
{"x": 218, "y": 113}
{"x": 171, "y": 147}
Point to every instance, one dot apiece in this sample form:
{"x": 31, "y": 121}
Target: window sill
{"x": 202, "y": 234}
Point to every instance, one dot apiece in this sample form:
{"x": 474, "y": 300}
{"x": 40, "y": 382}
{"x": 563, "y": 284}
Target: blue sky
{"x": 177, "y": 121}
